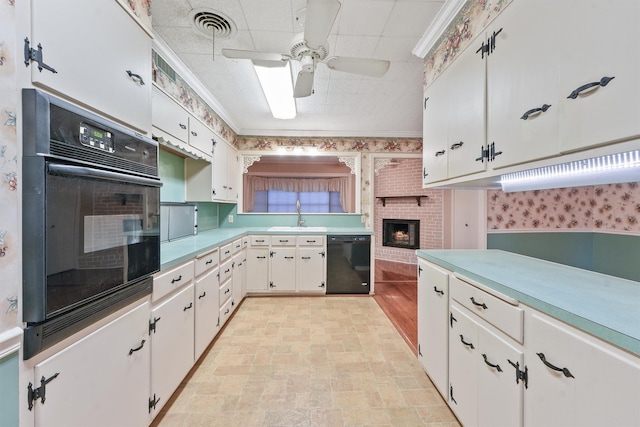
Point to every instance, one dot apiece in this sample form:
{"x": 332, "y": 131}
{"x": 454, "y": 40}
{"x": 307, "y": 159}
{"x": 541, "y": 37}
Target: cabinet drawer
{"x": 225, "y": 271}
{"x": 225, "y": 312}
{"x": 206, "y": 262}
{"x": 259, "y": 240}
{"x": 310, "y": 240}
{"x": 237, "y": 246}
{"x": 283, "y": 240}
{"x": 245, "y": 242}
{"x": 225, "y": 251}
{"x": 165, "y": 282}
{"x": 501, "y": 314}
{"x": 225, "y": 291}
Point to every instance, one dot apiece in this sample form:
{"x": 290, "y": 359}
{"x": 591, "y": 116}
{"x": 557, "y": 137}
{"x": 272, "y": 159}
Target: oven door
{"x": 101, "y": 234}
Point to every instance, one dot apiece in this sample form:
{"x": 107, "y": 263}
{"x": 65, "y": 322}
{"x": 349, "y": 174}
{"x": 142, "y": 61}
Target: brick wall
{"x": 405, "y": 179}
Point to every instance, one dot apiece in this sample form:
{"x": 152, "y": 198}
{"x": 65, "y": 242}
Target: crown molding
{"x": 185, "y": 73}
{"x": 439, "y": 24}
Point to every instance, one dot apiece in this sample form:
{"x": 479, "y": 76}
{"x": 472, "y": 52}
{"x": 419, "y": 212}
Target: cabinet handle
{"x": 188, "y": 307}
{"x": 564, "y": 371}
{"x": 227, "y": 291}
{"x": 203, "y": 295}
{"x": 137, "y": 348}
{"x": 259, "y": 240}
{"x": 311, "y": 241}
{"x": 261, "y": 257}
{"x": 208, "y": 262}
{"x": 535, "y": 111}
{"x": 457, "y": 145}
{"x": 306, "y": 257}
{"x": 227, "y": 270}
{"x": 288, "y": 257}
{"x": 194, "y": 133}
{"x": 177, "y": 280}
{"x": 283, "y": 241}
{"x": 182, "y": 126}
{"x": 496, "y": 367}
{"x": 226, "y": 311}
{"x": 136, "y": 77}
{"x": 468, "y": 344}
{"x": 438, "y": 291}
{"x": 440, "y": 153}
{"x": 483, "y": 305}
{"x": 603, "y": 82}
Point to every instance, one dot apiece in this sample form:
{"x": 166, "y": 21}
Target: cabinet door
{"x": 499, "y": 392}
{"x": 172, "y": 344}
{"x": 233, "y": 178}
{"x": 600, "y": 114}
{"x": 220, "y": 171}
{"x": 237, "y": 278}
{"x": 200, "y": 136}
{"x": 463, "y": 367}
{"x": 257, "y": 269}
{"x": 311, "y": 270}
{"x": 466, "y": 97}
{"x": 170, "y": 117}
{"x": 103, "y": 379}
{"x": 522, "y": 83}
{"x": 435, "y": 122}
{"x": 283, "y": 269}
{"x": 92, "y": 60}
{"x": 433, "y": 328}
{"x": 207, "y": 304}
{"x": 581, "y": 381}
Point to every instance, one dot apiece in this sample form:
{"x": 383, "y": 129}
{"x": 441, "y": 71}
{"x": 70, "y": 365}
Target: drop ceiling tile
{"x": 272, "y": 41}
{"x": 349, "y": 86}
{"x": 364, "y": 17}
{"x": 204, "y": 63}
{"x": 396, "y": 49}
{"x": 410, "y": 19}
{"x": 356, "y": 46}
{"x": 268, "y": 15}
{"x": 171, "y": 12}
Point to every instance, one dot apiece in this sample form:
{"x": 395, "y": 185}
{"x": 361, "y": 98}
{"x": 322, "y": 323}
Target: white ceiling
{"x": 343, "y": 104}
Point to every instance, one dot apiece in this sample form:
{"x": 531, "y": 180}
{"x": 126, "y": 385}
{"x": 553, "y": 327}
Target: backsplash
{"x": 609, "y": 208}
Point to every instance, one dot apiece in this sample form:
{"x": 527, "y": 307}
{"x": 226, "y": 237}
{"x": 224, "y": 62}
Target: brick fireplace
{"x": 401, "y": 233}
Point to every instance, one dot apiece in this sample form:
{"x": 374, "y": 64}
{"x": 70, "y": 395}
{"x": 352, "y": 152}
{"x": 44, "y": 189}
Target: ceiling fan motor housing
{"x": 307, "y": 63}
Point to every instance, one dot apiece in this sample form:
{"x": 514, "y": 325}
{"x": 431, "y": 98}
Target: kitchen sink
{"x": 297, "y": 229}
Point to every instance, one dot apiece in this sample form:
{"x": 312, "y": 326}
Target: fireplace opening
{"x": 401, "y": 233}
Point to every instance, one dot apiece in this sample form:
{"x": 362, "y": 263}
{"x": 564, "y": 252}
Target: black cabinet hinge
{"x": 452, "y": 319}
{"x": 322, "y": 253}
{"x": 484, "y": 154}
{"x": 152, "y": 325}
{"x": 419, "y": 352}
{"x": 153, "y": 402}
{"x": 31, "y": 54}
{"x": 492, "y": 152}
{"x": 520, "y": 375}
{"x": 484, "y": 48}
{"x": 451, "y": 394}
{"x": 34, "y": 394}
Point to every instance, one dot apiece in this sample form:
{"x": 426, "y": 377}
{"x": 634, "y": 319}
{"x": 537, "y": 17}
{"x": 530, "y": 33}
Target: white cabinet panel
{"x": 206, "y": 311}
{"x": 94, "y": 62}
{"x": 170, "y": 117}
{"x": 258, "y": 268}
{"x": 283, "y": 269}
{"x": 435, "y": 132}
{"x": 102, "y": 380}
{"x": 310, "y": 268}
{"x": 200, "y": 136}
{"x": 463, "y": 367}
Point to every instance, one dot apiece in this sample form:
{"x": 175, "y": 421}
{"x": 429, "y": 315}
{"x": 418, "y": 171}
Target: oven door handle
{"x": 82, "y": 171}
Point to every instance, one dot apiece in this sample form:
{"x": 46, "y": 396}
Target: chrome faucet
{"x": 300, "y": 220}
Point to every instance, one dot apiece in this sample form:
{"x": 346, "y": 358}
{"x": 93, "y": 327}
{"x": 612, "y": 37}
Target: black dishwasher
{"x": 348, "y": 264}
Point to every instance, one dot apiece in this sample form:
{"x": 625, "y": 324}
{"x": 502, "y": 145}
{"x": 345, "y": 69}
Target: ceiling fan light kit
{"x": 311, "y": 47}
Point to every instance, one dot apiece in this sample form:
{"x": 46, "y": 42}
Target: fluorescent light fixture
{"x": 610, "y": 169}
{"x": 277, "y": 87}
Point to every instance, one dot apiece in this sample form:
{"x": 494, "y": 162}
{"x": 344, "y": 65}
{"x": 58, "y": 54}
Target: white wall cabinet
{"x": 102, "y": 379}
{"x": 575, "y": 379}
{"x": 105, "y": 70}
{"x": 216, "y": 181}
{"x": 433, "y": 327}
{"x": 170, "y": 117}
{"x": 172, "y": 344}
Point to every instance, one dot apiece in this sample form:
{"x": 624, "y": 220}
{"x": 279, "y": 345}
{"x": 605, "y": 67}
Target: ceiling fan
{"x": 311, "y": 47}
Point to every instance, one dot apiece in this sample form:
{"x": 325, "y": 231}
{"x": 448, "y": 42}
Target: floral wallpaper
{"x": 611, "y": 207}
{"x": 10, "y": 261}
{"x": 180, "y": 90}
{"x": 141, "y": 9}
{"x": 474, "y": 17}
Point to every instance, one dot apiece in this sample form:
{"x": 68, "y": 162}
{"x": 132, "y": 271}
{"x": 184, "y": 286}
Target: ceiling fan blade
{"x": 364, "y": 66}
{"x": 304, "y": 85}
{"x": 254, "y": 55}
{"x": 319, "y": 19}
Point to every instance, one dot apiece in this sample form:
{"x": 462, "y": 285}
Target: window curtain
{"x": 259, "y": 183}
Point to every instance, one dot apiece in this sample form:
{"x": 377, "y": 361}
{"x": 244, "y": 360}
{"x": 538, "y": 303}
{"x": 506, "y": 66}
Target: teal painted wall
{"x": 612, "y": 254}
{"x": 172, "y": 175}
{"x": 9, "y": 390}
{"x": 207, "y": 216}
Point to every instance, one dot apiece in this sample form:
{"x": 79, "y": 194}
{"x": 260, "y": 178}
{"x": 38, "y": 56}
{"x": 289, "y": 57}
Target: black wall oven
{"x": 91, "y": 205}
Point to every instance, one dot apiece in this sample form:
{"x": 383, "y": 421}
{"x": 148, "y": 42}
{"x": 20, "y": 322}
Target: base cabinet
{"x": 101, "y": 380}
{"x": 575, "y": 379}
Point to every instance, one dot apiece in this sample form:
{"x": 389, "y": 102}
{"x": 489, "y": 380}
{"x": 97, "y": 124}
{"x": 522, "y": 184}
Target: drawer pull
{"x": 226, "y": 311}
{"x": 288, "y": 257}
{"x": 259, "y": 240}
{"x": 132, "y": 350}
{"x": 227, "y": 291}
{"x": 188, "y": 307}
{"x": 177, "y": 280}
{"x": 483, "y": 305}
{"x": 440, "y": 153}
{"x": 261, "y": 257}
{"x": 468, "y": 344}
{"x": 564, "y": 371}
{"x": 226, "y": 271}
{"x": 203, "y": 295}
{"x": 438, "y": 291}
{"x": 284, "y": 241}
{"x": 208, "y": 262}
{"x": 603, "y": 82}
{"x": 457, "y": 145}
{"x": 533, "y": 111}
{"x": 311, "y": 241}
{"x": 496, "y": 367}
{"x": 306, "y": 257}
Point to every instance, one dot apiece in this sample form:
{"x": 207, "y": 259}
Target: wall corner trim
{"x": 440, "y": 23}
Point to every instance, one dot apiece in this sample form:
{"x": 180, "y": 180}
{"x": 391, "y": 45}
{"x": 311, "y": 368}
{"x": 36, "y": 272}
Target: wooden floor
{"x": 397, "y": 295}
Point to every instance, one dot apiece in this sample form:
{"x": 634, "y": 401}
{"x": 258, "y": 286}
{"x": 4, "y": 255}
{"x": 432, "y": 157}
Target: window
{"x": 285, "y": 201}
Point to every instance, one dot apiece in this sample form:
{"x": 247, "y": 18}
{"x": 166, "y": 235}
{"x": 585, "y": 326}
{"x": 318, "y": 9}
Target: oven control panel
{"x": 94, "y": 137}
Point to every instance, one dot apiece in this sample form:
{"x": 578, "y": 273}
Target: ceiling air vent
{"x": 209, "y": 22}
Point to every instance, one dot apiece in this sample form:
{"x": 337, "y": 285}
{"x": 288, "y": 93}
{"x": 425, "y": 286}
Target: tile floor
{"x": 307, "y": 361}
